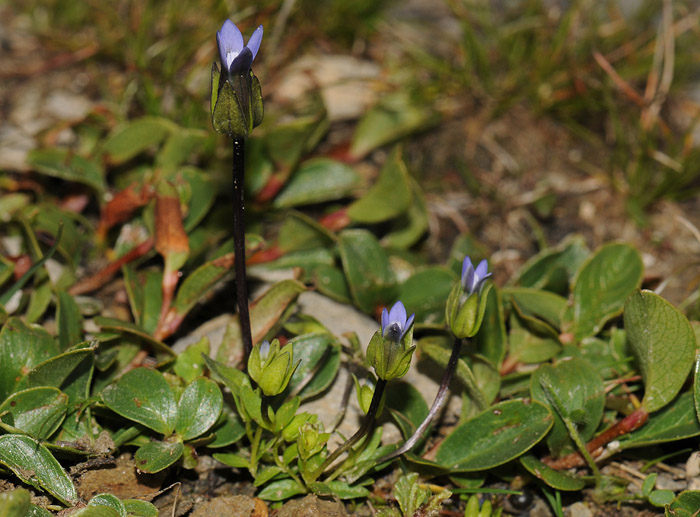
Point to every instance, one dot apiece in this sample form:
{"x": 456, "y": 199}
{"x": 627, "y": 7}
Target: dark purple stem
{"x": 434, "y": 409}
{"x": 239, "y": 245}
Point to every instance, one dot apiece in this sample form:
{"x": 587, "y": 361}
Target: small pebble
{"x": 579, "y": 510}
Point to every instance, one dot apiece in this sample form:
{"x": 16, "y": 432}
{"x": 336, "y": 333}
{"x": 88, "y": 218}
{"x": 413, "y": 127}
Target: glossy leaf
{"x": 539, "y": 304}
{"x": 601, "y": 287}
{"x": 108, "y": 501}
{"x": 557, "y": 479}
{"x": 156, "y": 456}
{"x": 199, "y": 408}
{"x": 425, "y": 293}
{"x": 320, "y": 358}
{"x": 394, "y": 116}
{"x": 579, "y": 388}
{"x": 366, "y": 266}
{"x": 318, "y": 180}
{"x": 491, "y": 340}
{"x": 70, "y": 321}
{"x": 136, "y": 136}
{"x": 664, "y": 343}
{"x": 499, "y": 434}
{"x": 390, "y": 196}
{"x": 62, "y": 163}
{"x": 281, "y": 490}
{"x": 37, "y": 411}
{"x": 21, "y": 348}
{"x": 57, "y": 370}
{"x": 143, "y": 395}
{"x": 35, "y": 465}
{"x": 676, "y": 421}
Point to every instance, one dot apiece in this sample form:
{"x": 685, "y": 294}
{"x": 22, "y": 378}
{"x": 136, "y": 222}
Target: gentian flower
{"x": 394, "y": 322}
{"x": 236, "y": 98}
{"x": 473, "y": 279}
{"x": 465, "y": 307}
{"x": 235, "y": 56}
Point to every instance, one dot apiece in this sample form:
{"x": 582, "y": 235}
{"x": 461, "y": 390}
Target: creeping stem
{"x": 363, "y": 430}
{"x": 239, "y": 245}
{"x": 434, "y": 409}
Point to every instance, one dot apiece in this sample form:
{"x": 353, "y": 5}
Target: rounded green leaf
{"x": 676, "y": 421}
{"x": 366, "y": 265}
{"x": 36, "y": 411}
{"x": 601, "y": 287}
{"x": 199, "y": 408}
{"x": 686, "y": 504}
{"x": 136, "y": 136}
{"x": 21, "y": 348}
{"x": 555, "y": 478}
{"x": 320, "y": 357}
{"x": 143, "y": 395}
{"x": 389, "y": 197}
{"x": 34, "y": 464}
{"x": 580, "y": 389}
{"x": 156, "y": 456}
{"x": 426, "y": 292}
{"x": 318, "y": 180}
{"x": 499, "y": 434}
{"x": 664, "y": 343}
{"x": 108, "y": 501}
{"x": 136, "y": 508}
{"x": 281, "y": 490}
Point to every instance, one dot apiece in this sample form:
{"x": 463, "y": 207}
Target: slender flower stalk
{"x": 236, "y": 108}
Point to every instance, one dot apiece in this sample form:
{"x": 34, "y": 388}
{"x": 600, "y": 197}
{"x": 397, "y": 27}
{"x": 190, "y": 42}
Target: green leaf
{"x": 38, "y": 511}
{"x": 36, "y": 411}
{"x": 410, "y": 226}
{"x": 156, "y": 456}
{"x": 301, "y": 232}
{"x": 143, "y": 395}
{"x": 601, "y": 287}
{"x": 330, "y": 281}
{"x": 35, "y": 465}
{"x": 664, "y": 343}
{"x": 57, "y": 370}
{"x": 163, "y": 351}
{"x": 199, "y": 408}
{"x": 685, "y": 505}
{"x": 190, "y": 364}
{"x": 676, "y": 421}
{"x": 389, "y": 197}
{"x": 178, "y": 147}
{"x": 136, "y": 136}
{"x": 70, "y": 321}
{"x": 96, "y": 511}
{"x": 661, "y": 498}
{"x": 407, "y": 406}
{"x": 108, "y": 501}
{"x": 64, "y": 164}
{"x": 395, "y": 116}
{"x": 499, "y": 434}
{"x": 14, "y": 503}
{"x": 320, "y": 356}
{"x": 227, "y": 430}
{"x": 557, "y": 479}
{"x": 21, "y": 348}
{"x": 552, "y": 268}
{"x": 281, "y": 490}
{"x": 491, "y": 340}
{"x": 136, "y": 508}
{"x": 425, "y": 293}
{"x": 343, "y": 490}
{"x": 580, "y": 389}
{"x": 367, "y": 270}
{"x": 232, "y": 460}
{"x": 410, "y": 494}
{"x": 316, "y": 181}
{"x": 530, "y": 348}
{"x": 538, "y": 304}
{"x": 145, "y": 292}
{"x": 198, "y": 283}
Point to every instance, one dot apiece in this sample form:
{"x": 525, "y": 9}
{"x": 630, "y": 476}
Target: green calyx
{"x": 236, "y": 103}
{"x": 390, "y": 359}
{"x": 464, "y": 313}
{"x": 273, "y": 371}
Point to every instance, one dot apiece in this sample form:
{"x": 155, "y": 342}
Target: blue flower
{"x": 264, "y": 350}
{"x": 236, "y": 57}
{"x": 473, "y": 279}
{"x": 394, "y": 322}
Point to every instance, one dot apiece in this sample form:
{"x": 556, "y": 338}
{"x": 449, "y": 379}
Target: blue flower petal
{"x": 230, "y": 42}
{"x": 254, "y": 41}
